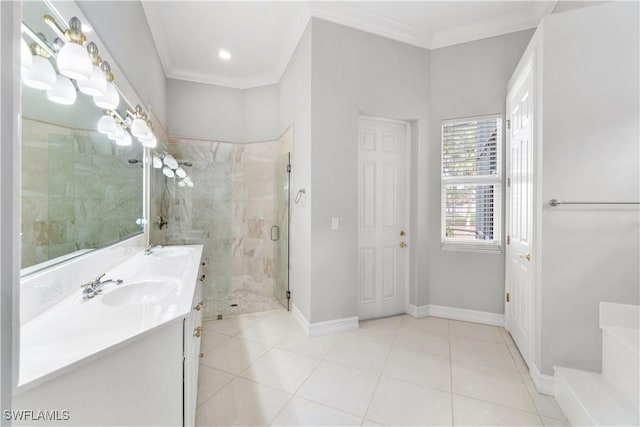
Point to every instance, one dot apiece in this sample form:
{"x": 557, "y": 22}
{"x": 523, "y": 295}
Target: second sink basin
{"x": 170, "y": 251}
{"x": 140, "y": 291}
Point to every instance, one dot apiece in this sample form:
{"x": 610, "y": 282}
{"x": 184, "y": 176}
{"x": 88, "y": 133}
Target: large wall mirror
{"x": 80, "y": 189}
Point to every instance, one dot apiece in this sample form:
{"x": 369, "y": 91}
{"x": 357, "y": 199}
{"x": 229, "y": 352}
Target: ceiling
{"x": 262, "y": 35}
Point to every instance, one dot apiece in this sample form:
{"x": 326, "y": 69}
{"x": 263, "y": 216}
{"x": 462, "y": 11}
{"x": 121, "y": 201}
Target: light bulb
{"x": 168, "y": 172}
{"x": 190, "y": 184}
{"x": 74, "y": 62}
{"x": 139, "y": 128}
{"x": 26, "y": 59}
{"x": 110, "y": 99}
{"x": 107, "y": 125}
{"x": 181, "y": 183}
{"x": 96, "y": 85}
{"x": 41, "y": 75}
{"x": 170, "y": 161}
{"x": 124, "y": 140}
{"x": 151, "y": 143}
{"x": 180, "y": 172}
{"x": 63, "y": 92}
{"x": 157, "y": 162}
{"x": 119, "y": 133}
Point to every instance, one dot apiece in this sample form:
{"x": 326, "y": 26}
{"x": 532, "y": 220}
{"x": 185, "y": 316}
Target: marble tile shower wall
{"x": 78, "y": 191}
{"x": 230, "y": 211}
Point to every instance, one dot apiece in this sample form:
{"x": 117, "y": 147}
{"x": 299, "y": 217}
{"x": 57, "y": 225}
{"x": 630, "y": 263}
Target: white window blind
{"x": 471, "y": 183}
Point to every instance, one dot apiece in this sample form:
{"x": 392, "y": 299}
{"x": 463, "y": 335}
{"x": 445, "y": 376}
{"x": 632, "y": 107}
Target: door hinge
{"x": 508, "y": 124}
{"x": 508, "y": 182}
{"x": 289, "y": 168}
{"x": 288, "y": 294}
{"x": 508, "y": 240}
{"x": 508, "y": 297}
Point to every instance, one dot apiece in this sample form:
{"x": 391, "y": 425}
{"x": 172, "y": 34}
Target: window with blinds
{"x": 472, "y": 183}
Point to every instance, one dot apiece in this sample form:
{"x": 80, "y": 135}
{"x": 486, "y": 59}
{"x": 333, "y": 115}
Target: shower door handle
{"x": 275, "y": 233}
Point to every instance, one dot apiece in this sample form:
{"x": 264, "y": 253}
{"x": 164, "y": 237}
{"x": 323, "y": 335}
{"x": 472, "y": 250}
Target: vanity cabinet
{"x": 148, "y": 379}
{"x": 192, "y": 338}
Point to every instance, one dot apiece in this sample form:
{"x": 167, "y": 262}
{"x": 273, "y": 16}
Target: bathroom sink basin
{"x": 170, "y": 251}
{"x": 140, "y": 291}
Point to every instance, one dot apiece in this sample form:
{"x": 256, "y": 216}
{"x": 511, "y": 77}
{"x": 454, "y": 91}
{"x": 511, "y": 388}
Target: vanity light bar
{"x": 78, "y": 55}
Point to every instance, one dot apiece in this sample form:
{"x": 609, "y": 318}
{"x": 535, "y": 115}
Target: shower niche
{"x": 239, "y": 210}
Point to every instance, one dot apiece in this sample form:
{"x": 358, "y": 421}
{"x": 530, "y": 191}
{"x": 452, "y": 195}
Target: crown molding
{"x": 482, "y": 30}
{"x": 353, "y": 17}
{"x": 211, "y": 79}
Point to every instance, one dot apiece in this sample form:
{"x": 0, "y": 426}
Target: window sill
{"x": 471, "y": 247}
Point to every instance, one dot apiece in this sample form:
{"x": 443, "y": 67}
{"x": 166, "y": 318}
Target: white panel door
{"x": 519, "y": 272}
{"x": 382, "y": 212}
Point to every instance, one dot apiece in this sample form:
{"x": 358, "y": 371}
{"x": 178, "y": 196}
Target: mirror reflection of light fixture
{"x": 25, "y": 56}
{"x": 110, "y": 99}
{"x": 63, "y": 92}
{"x": 151, "y": 143}
{"x": 171, "y": 168}
{"x": 107, "y": 124}
{"x": 170, "y": 161}
{"x": 157, "y": 161}
{"x": 124, "y": 140}
{"x": 96, "y": 85}
{"x": 119, "y": 133}
{"x": 168, "y": 172}
{"x": 41, "y": 74}
{"x": 73, "y": 60}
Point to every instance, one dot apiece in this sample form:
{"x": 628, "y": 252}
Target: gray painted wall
{"x": 591, "y": 152}
{"x": 295, "y": 111}
{"x": 123, "y": 28}
{"x": 205, "y": 111}
{"x": 355, "y": 72}
{"x": 469, "y": 79}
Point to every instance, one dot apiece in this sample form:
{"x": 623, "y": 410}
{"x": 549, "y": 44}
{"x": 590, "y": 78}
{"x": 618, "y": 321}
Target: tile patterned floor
{"x": 260, "y": 369}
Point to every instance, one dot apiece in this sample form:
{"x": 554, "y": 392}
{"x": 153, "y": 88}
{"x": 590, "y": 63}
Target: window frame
{"x": 462, "y": 245}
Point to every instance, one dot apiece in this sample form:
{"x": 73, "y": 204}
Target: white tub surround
{"x": 76, "y": 329}
{"x": 610, "y": 398}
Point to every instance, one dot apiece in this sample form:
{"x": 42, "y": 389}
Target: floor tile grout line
{"x": 496, "y": 404}
{"x": 395, "y": 335}
{"x": 507, "y": 338}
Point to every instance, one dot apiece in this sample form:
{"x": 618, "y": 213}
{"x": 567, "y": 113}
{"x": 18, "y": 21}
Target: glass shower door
{"x": 280, "y": 230}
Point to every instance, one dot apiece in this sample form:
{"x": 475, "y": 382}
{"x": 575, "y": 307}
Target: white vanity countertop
{"x": 156, "y": 290}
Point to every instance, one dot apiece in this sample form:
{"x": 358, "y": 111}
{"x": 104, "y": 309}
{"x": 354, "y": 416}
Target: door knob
{"x": 526, "y": 256}
{"x": 403, "y": 245}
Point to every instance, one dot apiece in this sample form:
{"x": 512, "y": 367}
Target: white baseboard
{"x": 463, "y": 314}
{"x": 328, "y": 327}
{"x": 302, "y": 321}
{"x": 418, "y": 311}
{"x": 333, "y": 326}
{"x": 453, "y": 313}
{"x": 545, "y": 384}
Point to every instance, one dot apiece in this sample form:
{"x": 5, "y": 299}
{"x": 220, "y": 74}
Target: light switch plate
{"x": 335, "y": 223}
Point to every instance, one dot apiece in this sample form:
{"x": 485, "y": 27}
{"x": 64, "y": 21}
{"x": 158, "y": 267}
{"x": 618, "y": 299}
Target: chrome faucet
{"x": 94, "y": 287}
{"x": 149, "y": 249}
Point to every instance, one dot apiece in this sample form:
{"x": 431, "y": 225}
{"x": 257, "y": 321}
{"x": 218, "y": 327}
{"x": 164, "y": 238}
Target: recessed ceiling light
{"x": 224, "y": 54}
